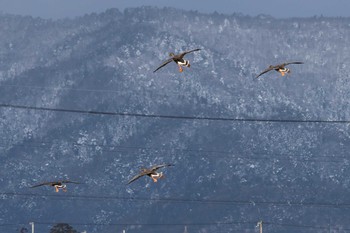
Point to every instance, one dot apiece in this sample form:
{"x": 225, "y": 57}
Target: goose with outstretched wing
{"x": 280, "y": 68}
{"x": 178, "y": 59}
{"x": 61, "y": 184}
{"x": 151, "y": 172}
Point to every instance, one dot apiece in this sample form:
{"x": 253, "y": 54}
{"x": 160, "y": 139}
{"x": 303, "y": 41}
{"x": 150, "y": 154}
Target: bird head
{"x": 171, "y": 54}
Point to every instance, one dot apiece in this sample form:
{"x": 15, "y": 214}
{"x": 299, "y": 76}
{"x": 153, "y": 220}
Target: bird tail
{"x": 284, "y": 71}
{"x": 185, "y": 63}
{"x": 161, "y": 176}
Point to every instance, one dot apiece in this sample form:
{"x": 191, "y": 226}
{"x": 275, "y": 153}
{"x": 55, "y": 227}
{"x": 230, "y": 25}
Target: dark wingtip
{"x": 71, "y": 181}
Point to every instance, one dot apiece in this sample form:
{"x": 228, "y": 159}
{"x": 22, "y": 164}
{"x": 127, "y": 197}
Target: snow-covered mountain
{"x": 105, "y": 62}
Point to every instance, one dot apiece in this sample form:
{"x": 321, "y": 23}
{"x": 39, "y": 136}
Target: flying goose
{"x": 178, "y": 59}
{"x": 151, "y": 172}
{"x": 280, "y": 68}
{"x": 57, "y": 184}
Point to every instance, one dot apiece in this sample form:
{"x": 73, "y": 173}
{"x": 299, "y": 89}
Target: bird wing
{"x": 136, "y": 177}
{"x": 68, "y": 181}
{"x": 293, "y": 62}
{"x": 154, "y": 168}
{"x": 265, "y": 71}
{"x": 164, "y": 64}
{"x": 42, "y": 184}
{"x": 181, "y": 55}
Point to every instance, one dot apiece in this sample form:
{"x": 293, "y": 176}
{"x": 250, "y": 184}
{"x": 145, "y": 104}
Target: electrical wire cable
{"x": 152, "y": 224}
{"x": 289, "y": 225}
{"x": 191, "y": 152}
{"x": 170, "y": 94}
{"x": 218, "y": 224}
{"x": 6, "y": 195}
{"x": 172, "y": 117}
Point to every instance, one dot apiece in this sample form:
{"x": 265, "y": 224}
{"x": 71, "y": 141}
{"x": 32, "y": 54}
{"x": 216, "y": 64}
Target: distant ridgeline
{"x": 228, "y": 175}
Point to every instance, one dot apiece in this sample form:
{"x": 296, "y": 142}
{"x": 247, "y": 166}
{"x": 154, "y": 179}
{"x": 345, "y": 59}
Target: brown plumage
{"x": 151, "y": 172}
{"x": 178, "y": 59}
{"x": 280, "y": 68}
{"x": 57, "y": 184}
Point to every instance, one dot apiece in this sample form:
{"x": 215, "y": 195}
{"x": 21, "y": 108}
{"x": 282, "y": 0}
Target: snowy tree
{"x": 63, "y": 228}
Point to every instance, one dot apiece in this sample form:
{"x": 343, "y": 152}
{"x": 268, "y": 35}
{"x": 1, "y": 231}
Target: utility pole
{"x": 32, "y": 223}
{"x": 260, "y": 225}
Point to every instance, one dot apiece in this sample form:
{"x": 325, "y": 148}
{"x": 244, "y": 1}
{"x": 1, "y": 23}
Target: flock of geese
{"x": 152, "y": 172}
{"x": 180, "y": 61}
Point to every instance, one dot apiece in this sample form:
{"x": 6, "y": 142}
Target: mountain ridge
{"x": 104, "y": 62}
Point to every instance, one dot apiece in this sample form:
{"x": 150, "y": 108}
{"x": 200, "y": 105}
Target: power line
{"x": 172, "y": 117}
{"x": 208, "y": 153}
{"x": 218, "y": 224}
{"x": 132, "y": 224}
{"x": 97, "y": 90}
{"x": 11, "y": 224}
{"x": 151, "y": 224}
{"x": 214, "y": 153}
{"x": 281, "y": 157}
{"x": 64, "y": 88}
{"x": 307, "y": 226}
{"x": 3, "y": 195}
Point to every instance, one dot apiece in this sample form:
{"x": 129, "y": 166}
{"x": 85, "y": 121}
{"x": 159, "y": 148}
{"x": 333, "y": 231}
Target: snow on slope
{"x": 105, "y": 62}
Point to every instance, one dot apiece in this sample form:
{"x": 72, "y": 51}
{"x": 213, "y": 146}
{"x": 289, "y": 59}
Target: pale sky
{"x": 276, "y": 8}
